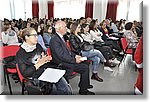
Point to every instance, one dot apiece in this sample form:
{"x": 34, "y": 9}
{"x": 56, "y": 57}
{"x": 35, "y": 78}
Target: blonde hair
{"x": 26, "y": 32}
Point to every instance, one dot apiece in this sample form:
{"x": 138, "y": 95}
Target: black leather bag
{"x": 99, "y": 44}
{"x": 9, "y": 62}
{"x": 86, "y": 46}
{"x": 37, "y": 87}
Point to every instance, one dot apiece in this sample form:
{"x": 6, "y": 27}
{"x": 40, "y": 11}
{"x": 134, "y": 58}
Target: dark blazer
{"x": 60, "y": 53}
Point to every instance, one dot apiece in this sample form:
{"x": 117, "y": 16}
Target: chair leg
{"x": 121, "y": 60}
{"x": 9, "y": 85}
{"x": 5, "y": 75}
{"x": 23, "y": 86}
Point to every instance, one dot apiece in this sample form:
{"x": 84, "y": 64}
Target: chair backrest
{"x": 48, "y": 51}
{"x": 124, "y": 43}
{"x": 19, "y": 74}
{"x": 68, "y": 44}
{"x": 10, "y": 50}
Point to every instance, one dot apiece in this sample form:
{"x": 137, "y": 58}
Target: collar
{"x": 61, "y": 36}
{"x": 27, "y": 47}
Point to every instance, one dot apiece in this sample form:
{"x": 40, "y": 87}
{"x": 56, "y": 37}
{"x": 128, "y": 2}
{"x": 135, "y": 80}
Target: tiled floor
{"x": 120, "y": 81}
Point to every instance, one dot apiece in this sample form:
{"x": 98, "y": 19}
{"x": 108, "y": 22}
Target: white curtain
{"x": 99, "y": 9}
{"x": 11, "y": 9}
{"x": 69, "y": 8}
{"x": 5, "y": 9}
{"x": 129, "y": 10}
{"x": 122, "y": 10}
{"x": 43, "y": 8}
{"x": 135, "y": 11}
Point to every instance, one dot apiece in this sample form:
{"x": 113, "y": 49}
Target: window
{"x": 11, "y": 9}
{"x": 5, "y": 9}
{"x": 69, "y": 8}
{"x": 129, "y": 10}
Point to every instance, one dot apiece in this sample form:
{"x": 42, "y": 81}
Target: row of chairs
{"x": 12, "y": 50}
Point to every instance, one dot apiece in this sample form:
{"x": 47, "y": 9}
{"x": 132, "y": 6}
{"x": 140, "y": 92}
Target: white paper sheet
{"x": 83, "y": 58}
{"x": 114, "y": 38}
{"x": 52, "y": 75}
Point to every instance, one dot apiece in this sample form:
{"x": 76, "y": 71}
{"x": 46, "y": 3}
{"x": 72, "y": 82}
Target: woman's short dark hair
{"x": 128, "y": 26}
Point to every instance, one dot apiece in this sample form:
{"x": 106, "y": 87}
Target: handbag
{"x": 86, "y": 46}
{"x": 37, "y": 87}
{"x": 9, "y": 62}
{"x": 99, "y": 44}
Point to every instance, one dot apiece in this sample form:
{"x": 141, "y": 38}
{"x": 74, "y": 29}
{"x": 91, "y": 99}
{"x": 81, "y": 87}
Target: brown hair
{"x": 101, "y": 24}
{"x": 92, "y": 24}
{"x": 73, "y": 27}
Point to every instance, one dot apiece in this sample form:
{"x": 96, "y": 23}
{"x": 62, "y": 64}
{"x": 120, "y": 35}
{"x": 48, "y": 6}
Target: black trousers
{"x": 82, "y": 69}
{"x": 113, "y": 45}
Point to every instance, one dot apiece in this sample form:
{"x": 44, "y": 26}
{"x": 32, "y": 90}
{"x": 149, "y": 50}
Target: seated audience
{"x": 92, "y": 54}
{"x": 99, "y": 36}
{"x": 47, "y": 35}
{"x": 70, "y": 61}
{"x": 9, "y": 37}
{"x": 113, "y": 41}
{"x": 32, "y": 61}
{"x": 106, "y": 50}
{"x": 40, "y": 38}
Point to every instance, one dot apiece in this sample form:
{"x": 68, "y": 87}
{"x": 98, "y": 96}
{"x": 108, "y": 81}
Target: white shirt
{"x": 87, "y": 37}
{"x": 9, "y": 38}
{"x": 61, "y": 36}
{"x": 96, "y": 35}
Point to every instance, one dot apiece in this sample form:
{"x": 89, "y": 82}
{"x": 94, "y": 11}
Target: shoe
{"x": 108, "y": 69}
{"x": 121, "y": 53}
{"x": 86, "y": 92}
{"x": 96, "y": 77}
{"x": 110, "y": 64}
{"x": 116, "y": 61}
{"x": 90, "y": 86}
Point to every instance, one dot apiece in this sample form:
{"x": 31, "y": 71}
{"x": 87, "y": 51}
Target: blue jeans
{"x": 62, "y": 88}
{"x": 96, "y": 56}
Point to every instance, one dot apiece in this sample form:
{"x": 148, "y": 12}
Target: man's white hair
{"x": 58, "y": 25}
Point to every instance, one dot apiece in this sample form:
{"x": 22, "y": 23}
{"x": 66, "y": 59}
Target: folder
{"x": 52, "y": 75}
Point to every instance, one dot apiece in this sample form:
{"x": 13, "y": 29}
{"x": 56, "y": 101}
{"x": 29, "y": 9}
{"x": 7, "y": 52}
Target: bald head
{"x": 60, "y": 27}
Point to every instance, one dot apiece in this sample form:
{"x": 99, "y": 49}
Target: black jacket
{"x": 75, "y": 44}
{"x": 26, "y": 62}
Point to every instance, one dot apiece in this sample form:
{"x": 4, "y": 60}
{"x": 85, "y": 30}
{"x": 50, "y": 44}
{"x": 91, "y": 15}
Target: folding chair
{"x": 126, "y": 50}
{"x": 8, "y": 51}
{"x": 48, "y": 51}
{"x": 22, "y": 79}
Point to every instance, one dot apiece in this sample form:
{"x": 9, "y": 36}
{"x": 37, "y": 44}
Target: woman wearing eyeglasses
{"x": 32, "y": 61}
